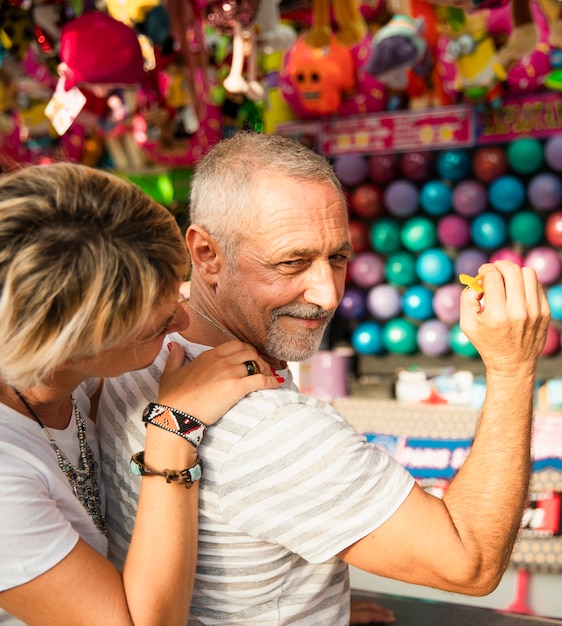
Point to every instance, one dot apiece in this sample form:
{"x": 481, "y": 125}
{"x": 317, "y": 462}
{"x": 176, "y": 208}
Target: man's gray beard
{"x": 298, "y": 346}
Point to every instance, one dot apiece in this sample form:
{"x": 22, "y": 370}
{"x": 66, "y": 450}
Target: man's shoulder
{"x": 274, "y": 404}
{"x": 283, "y": 397}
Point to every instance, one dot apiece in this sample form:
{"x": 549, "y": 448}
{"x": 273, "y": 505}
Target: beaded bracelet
{"x": 175, "y": 421}
{"x": 186, "y": 477}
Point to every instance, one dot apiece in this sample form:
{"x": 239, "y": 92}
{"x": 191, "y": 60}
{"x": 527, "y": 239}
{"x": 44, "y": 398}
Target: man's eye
{"x": 340, "y": 258}
{"x": 293, "y": 263}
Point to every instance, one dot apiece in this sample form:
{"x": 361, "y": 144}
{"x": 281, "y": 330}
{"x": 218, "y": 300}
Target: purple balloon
{"x": 352, "y": 305}
{"x": 433, "y": 338}
{"x": 545, "y": 191}
{"x": 468, "y": 261}
{"x": 454, "y": 231}
{"x": 546, "y": 264}
{"x": 506, "y": 254}
{"x": 352, "y": 170}
{"x": 367, "y": 269}
{"x": 553, "y": 153}
{"x": 401, "y": 198}
{"x": 384, "y": 302}
{"x": 469, "y": 198}
{"x": 447, "y": 302}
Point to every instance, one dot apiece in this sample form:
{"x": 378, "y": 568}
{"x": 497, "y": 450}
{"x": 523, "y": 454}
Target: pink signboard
{"x": 398, "y": 132}
{"x": 538, "y": 115}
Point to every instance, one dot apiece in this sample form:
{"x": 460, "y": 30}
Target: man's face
{"x": 290, "y": 275}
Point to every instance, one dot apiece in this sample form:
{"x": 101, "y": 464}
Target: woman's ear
{"x": 206, "y": 256}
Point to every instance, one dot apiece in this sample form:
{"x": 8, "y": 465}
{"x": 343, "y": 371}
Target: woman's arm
{"x": 157, "y": 581}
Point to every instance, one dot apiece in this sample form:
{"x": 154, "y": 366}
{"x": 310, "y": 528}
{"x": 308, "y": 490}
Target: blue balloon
{"x": 506, "y": 194}
{"x": 366, "y": 338}
{"x": 453, "y": 165}
{"x": 417, "y": 302}
{"x": 554, "y": 296}
{"x": 436, "y": 197}
{"x": 488, "y": 230}
{"x": 435, "y": 267}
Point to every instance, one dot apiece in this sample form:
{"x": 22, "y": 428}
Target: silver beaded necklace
{"x": 83, "y": 479}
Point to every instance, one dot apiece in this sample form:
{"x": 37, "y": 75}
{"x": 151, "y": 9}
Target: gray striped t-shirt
{"x": 287, "y": 484}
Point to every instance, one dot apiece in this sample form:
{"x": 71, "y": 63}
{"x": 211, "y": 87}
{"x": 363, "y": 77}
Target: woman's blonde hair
{"x": 85, "y": 258}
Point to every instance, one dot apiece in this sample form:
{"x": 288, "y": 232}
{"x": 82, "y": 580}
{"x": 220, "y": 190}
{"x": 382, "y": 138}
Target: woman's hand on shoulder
{"x": 214, "y": 381}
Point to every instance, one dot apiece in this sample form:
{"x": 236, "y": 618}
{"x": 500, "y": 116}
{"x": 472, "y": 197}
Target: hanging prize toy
{"x": 236, "y": 19}
{"x": 319, "y": 68}
{"x": 399, "y": 48}
{"x": 479, "y": 73}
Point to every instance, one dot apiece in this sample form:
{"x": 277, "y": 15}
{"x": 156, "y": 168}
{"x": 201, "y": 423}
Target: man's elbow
{"x": 479, "y": 579}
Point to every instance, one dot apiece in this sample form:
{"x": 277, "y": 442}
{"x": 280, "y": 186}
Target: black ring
{"x": 252, "y": 367}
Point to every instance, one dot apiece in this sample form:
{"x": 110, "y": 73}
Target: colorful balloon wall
{"x": 420, "y": 219}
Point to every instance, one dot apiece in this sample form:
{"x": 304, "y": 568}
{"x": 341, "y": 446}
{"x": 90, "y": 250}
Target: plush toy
{"x": 523, "y": 37}
{"x": 478, "y": 73}
{"x": 526, "y": 55}
{"x": 118, "y": 62}
{"x": 399, "y": 48}
{"x": 322, "y": 74}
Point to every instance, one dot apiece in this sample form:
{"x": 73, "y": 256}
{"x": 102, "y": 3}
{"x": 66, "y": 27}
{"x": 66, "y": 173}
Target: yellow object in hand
{"x": 471, "y": 282}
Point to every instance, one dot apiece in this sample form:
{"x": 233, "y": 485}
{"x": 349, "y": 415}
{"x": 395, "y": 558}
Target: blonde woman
{"x": 90, "y": 271}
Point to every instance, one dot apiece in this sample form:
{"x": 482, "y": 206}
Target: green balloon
{"x": 526, "y": 227}
{"x": 460, "y": 344}
{"x": 525, "y": 155}
{"x": 399, "y": 336}
{"x": 418, "y": 234}
{"x": 400, "y": 269}
{"x": 385, "y": 236}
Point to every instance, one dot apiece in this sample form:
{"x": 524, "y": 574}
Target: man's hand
{"x": 507, "y": 323}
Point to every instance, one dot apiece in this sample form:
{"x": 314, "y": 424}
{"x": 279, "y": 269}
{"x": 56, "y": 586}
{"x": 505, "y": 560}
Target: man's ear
{"x": 206, "y": 255}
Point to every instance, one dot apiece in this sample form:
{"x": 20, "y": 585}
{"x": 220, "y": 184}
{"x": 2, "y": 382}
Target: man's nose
{"x": 324, "y": 287}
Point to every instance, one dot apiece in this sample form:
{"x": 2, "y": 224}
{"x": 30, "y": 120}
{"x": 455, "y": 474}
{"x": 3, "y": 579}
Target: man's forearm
{"x": 487, "y": 497}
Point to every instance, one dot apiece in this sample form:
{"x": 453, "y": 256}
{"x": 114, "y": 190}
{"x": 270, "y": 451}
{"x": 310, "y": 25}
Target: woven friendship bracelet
{"x": 175, "y": 421}
{"x": 186, "y": 477}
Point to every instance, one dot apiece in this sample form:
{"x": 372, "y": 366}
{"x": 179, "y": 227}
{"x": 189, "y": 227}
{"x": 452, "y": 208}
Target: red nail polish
{"x": 169, "y": 346}
{"x": 280, "y": 379}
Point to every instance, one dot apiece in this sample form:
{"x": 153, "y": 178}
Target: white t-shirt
{"x": 40, "y": 517}
{"x": 287, "y": 484}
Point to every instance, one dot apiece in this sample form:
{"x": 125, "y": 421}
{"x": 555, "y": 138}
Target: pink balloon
{"x": 446, "y": 303}
{"x": 454, "y": 231}
{"x": 469, "y": 198}
{"x": 506, "y": 254}
{"x": 552, "y": 345}
{"x": 367, "y": 269}
{"x": 546, "y": 263}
